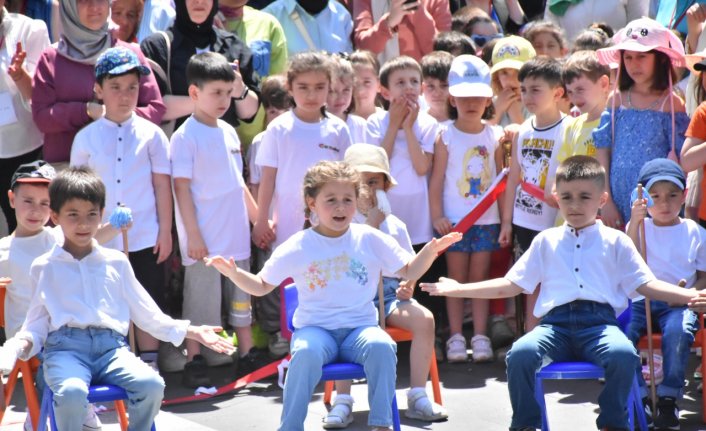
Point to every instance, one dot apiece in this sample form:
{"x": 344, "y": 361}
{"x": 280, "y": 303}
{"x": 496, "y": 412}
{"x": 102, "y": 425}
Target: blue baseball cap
{"x": 119, "y": 60}
{"x": 661, "y": 170}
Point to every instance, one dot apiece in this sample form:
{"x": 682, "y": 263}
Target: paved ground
{"x": 476, "y": 396}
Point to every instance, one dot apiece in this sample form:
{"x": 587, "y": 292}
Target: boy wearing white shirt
{"x": 129, "y": 153}
{"x": 213, "y": 207}
{"x": 84, "y": 298}
{"x": 587, "y": 272}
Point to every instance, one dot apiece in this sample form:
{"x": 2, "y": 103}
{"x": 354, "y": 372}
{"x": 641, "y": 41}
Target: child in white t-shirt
{"x": 335, "y": 266}
{"x": 467, "y": 158}
{"x": 435, "y": 84}
{"x": 407, "y": 136}
{"x": 341, "y": 95}
{"x": 293, "y": 143}
{"x": 213, "y": 207}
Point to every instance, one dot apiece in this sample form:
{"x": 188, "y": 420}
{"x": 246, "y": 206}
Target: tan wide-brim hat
{"x": 369, "y": 158}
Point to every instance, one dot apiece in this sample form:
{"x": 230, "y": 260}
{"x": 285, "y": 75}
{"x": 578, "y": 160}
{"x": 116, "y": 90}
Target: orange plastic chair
{"x": 699, "y": 341}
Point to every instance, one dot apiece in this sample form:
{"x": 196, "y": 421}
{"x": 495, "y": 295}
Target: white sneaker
{"x": 456, "y": 349}
{"x": 92, "y": 422}
{"x": 482, "y": 348}
{"x": 278, "y": 345}
{"x": 28, "y": 423}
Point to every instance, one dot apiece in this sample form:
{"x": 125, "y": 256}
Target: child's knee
{"x": 151, "y": 387}
{"x": 381, "y": 348}
{"x": 71, "y": 392}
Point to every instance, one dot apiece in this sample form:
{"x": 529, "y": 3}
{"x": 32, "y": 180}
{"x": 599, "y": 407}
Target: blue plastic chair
{"x": 96, "y": 394}
{"x": 338, "y": 370}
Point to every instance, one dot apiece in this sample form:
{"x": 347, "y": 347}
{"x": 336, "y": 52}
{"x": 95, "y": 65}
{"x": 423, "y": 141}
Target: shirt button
{"x": 120, "y": 139}
{"x": 575, "y": 269}
{"x": 118, "y": 203}
{"x": 581, "y": 286}
{"x": 120, "y": 159}
{"x": 119, "y": 183}
{"x": 577, "y": 245}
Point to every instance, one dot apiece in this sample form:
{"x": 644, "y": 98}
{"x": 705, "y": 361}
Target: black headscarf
{"x": 313, "y": 7}
{"x": 201, "y": 34}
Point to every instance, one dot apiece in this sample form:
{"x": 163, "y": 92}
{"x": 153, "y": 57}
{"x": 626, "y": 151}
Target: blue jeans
{"x": 312, "y": 347}
{"x": 580, "y": 330}
{"x": 75, "y": 358}
{"x": 678, "y": 326}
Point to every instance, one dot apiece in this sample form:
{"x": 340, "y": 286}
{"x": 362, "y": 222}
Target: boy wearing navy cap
{"x": 676, "y": 253}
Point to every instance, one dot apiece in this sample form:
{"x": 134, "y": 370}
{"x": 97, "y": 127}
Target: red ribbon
{"x": 533, "y": 190}
{"x": 487, "y": 199}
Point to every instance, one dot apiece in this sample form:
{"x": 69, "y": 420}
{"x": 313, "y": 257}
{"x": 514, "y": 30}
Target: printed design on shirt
{"x": 536, "y": 155}
{"x": 329, "y": 147}
{"x": 589, "y": 147}
{"x": 476, "y": 173}
{"x": 320, "y": 272}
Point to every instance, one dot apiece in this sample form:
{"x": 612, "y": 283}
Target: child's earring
{"x": 314, "y": 219}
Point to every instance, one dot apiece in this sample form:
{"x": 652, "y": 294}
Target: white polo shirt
{"x": 125, "y": 156}
{"x": 99, "y": 290}
{"x": 595, "y": 263}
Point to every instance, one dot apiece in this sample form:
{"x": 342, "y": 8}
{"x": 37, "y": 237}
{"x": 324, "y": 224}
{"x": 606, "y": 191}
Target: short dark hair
{"x": 591, "y": 39}
{"x": 454, "y": 42}
{"x": 208, "y": 67}
{"x": 581, "y": 168}
{"x": 398, "y": 63}
{"x": 583, "y": 63}
{"x": 273, "y": 92}
{"x": 437, "y": 64}
{"x": 101, "y": 79}
{"x": 542, "y": 67}
{"x": 76, "y": 183}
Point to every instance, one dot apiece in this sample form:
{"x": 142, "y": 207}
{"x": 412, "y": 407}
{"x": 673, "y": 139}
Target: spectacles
{"x": 481, "y": 39}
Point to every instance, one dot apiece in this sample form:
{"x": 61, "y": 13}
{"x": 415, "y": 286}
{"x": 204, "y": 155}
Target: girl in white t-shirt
{"x": 336, "y": 267}
{"x": 294, "y": 142}
{"x": 341, "y": 95}
{"x": 366, "y": 88}
{"x": 467, "y": 158}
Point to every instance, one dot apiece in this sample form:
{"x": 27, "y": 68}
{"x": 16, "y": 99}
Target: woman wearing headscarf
{"x": 193, "y": 32}
{"x": 63, "y": 100}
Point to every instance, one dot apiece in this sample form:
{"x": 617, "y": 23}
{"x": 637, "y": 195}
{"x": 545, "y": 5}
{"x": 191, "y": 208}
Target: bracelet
{"x": 244, "y": 95}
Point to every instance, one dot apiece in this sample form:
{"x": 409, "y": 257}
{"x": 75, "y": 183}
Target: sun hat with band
{"x": 511, "y": 53}
{"x": 643, "y": 35}
{"x": 369, "y": 158}
{"x": 696, "y": 62}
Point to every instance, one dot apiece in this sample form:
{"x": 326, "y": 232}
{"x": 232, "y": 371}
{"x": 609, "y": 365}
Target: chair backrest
{"x": 289, "y": 300}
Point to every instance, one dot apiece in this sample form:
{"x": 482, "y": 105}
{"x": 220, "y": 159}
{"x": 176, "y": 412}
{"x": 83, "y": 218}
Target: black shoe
{"x": 647, "y": 406}
{"x": 667, "y": 414}
{"x": 524, "y": 429}
{"x": 252, "y": 361}
{"x": 196, "y": 373}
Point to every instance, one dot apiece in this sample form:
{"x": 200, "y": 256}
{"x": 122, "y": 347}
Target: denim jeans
{"x": 75, "y": 358}
{"x": 678, "y": 326}
{"x": 583, "y": 331}
{"x": 312, "y": 347}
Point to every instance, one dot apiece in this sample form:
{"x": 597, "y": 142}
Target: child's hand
{"x": 698, "y": 302}
{"x": 9, "y": 353}
{"x": 505, "y": 98}
{"x": 412, "y": 114}
{"x": 16, "y": 69}
{"x": 263, "y": 234}
{"x": 440, "y": 244}
{"x": 398, "y": 112}
{"x": 196, "y": 247}
{"x": 442, "y": 225}
{"x": 610, "y": 216}
{"x": 4, "y": 282}
{"x": 225, "y": 266}
{"x": 510, "y": 133}
{"x": 505, "y": 237}
{"x": 406, "y": 290}
{"x": 638, "y": 212}
{"x": 208, "y": 336}
{"x": 121, "y": 218}
{"x": 375, "y": 217}
{"x": 442, "y": 287}
{"x": 163, "y": 247}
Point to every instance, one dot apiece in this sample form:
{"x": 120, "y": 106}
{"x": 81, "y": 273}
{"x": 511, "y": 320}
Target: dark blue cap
{"x": 661, "y": 170}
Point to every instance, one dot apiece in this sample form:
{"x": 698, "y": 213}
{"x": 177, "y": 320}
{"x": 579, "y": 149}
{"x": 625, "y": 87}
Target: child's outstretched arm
{"x": 667, "y": 292}
{"x": 488, "y": 289}
{"x": 250, "y": 283}
{"x": 419, "y": 264}
{"x": 208, "y": 336}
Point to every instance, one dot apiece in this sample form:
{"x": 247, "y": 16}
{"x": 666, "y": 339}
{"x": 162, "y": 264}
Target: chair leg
{"x": 328, "y": 390}
{"x": 122, "y": 414}
{"x": 434, "y": 374}
{"x": 30, "y": 393}
{"x": 539, "y": 396}
{"x": 703, "y": 367}
{"x": 9, "y": 388}
{"x": 396, "y": 426}
{"x": 637, "y": 403}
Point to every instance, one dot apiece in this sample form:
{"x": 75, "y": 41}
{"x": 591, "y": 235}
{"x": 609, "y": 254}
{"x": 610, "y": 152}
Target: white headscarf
{"x": 78, "y": 42}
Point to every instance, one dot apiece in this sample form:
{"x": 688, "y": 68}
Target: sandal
{"x": 421, "y": 408}
{"x": 341, "y": 413}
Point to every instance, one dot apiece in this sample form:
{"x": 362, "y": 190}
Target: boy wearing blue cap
{"x": 129, "y": 153}
{"x": 683, "y": 263}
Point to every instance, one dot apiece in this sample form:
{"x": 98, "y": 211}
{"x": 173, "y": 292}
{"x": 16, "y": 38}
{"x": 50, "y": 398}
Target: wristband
{"x": 244, "y": 95}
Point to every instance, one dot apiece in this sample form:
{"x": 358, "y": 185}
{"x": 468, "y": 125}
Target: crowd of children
{"x": 363, "y": 176}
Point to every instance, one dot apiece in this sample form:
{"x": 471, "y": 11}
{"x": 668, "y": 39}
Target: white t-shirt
{"x": 394, "y": 227}
{"x": 210, "y": 157}
{"x": 676, "y": 252}
{"x": 16, "y": 257}
{"x": 596, "y": 263}
{"x": 410, "y": 198}
{"x": 336, "y": 278}
{"x": 125, "y": 156}
{"x": 254, "y": 170}
{"x": 357, "y": 125}
{"x": 293, "y": 146}
{"x": 470, "y": 170}
{"x": 536, "y": 151}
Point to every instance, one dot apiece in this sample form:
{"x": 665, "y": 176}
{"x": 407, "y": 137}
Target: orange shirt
{"x": 697, "y": 129}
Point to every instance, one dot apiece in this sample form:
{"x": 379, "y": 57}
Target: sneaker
{"x": 215, "y": 359}
{"x": 482, "y": 349}
{"x": 252, "y": 361}
{"x": 647, "y": 406}
{"x": 171, "y": 359}
{"x": 196, "y": 373}
{"x": 697, "y": 373}
{"x": 500, "y": 333}
{"x": 92, "y": 422}
{"x": 456, "y": 349}
{"x": 278, "y": 345}
{"x": 667, "y": 414}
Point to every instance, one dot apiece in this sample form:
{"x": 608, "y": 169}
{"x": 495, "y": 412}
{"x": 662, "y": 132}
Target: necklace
{"x": 652, "y": 107}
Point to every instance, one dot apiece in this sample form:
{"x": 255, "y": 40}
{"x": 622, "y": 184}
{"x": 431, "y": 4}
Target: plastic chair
{"x": 96, "y": 394}
{"x": 333, "y": 371}
{"x": 27, "y": 368}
